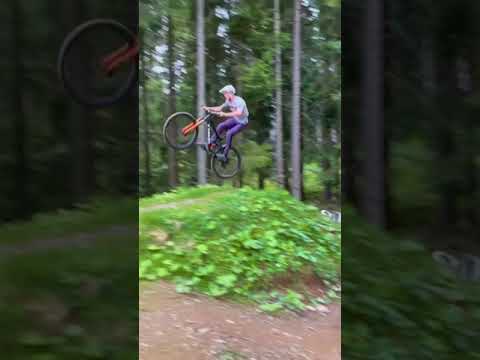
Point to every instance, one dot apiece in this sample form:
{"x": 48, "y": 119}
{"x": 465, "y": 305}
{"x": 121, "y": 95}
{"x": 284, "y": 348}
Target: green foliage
{"x": 231, "y": 355}
{"x": 69, "y": 309}
{"x": 332, "y": 3}
{"x": 36, "y": 305}
{"x": 96, "y": 214}
{"x": 258, "y": 79}
{"x": 313, "y": 177}
{"x": 398, "y": 298}
{"x": 240, "y": 49}
{"x": 239, "y": 245}
{"x": 182, "y": 193}
{"x": 292, "y": 300}
{"x": 411, "y": 169}
{"x": 256, "y": 157}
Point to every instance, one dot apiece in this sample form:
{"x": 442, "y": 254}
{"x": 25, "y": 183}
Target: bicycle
{"x": 181, "y": 132}
{"x": 98, "y": 62}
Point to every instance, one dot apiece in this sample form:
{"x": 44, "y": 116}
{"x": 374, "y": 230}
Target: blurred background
{"x": 410, "y": 179}
{"x": 68, "y": 210}
{"x": 56, "y": 153}
{"x": 410, "y": 136}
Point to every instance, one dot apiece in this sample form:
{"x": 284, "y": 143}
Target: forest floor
{"x": 180, "y": 326}
{"x": 197, "y": 327}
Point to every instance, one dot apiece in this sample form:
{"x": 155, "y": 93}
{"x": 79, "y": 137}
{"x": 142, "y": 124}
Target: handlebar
{"x": 212, "y": 112}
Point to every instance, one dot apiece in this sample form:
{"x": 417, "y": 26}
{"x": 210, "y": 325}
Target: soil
{"x": 195, "y": 327}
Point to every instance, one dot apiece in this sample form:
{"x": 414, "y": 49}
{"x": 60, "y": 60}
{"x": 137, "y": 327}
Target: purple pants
{"x": 233, "y": 127}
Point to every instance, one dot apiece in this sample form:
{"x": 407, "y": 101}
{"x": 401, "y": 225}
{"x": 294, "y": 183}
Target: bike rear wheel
{"x": 231, "y": 167}
{"x": 172, "y": 131}
{"x": 79, "y": 63}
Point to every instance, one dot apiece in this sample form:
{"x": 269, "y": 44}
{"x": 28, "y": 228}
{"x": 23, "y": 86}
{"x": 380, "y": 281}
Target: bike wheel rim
{"x": 231, "y": 168}
{"x": 81, "y": 66}
{"x": 173, "y": 131}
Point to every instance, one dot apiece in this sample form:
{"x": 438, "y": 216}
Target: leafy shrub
{"x": 240, "y": 244}
{"x": 398, "y": 304}
{"x": 97, "y": 214}
{"x": 65, "y": 304}
{"x": 313, "y": 177}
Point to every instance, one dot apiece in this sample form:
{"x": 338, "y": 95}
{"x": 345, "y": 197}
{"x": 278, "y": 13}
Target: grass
{"x": 239, "y": 244}
{"x": 231, "y": 355}
{"x": 399, "y": 298}
{"x": 183, "y": 193}
{"x": 96, "y": 215}
{"x": 72, "y": 302}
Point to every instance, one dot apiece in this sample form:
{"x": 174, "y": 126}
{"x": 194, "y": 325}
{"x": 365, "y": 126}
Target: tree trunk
{"x": 373, "y": 189}
{"x": 348, "y": 190}
{"x": 172, "y": 155}
{"x": 287, "y": 174}
{"x": 444, "y": 138}
{"x": 296, "y": 76}
{"x": 280, "y": 172}
{"x": 78, "y": 119}
{"x": 146, "y": 123}
{"x": 23, "y": 206}
{"x": 202, "y": 136}
{"x": 261, "y": 180}
{"x": 326, "y": 165}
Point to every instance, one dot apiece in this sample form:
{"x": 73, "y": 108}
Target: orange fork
{"x": 109, "y": 58}
{"x": 193, "y": 126}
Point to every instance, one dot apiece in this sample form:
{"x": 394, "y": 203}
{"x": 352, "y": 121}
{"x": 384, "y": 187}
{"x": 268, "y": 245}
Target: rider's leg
{"x": 230, "y": 134}
{"x": 222, "y": 127}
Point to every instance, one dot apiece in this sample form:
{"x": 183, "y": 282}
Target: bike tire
{"x": 173, "y": 119}
{"x": 216, "y": 164}
{"x": 73, "y": 38}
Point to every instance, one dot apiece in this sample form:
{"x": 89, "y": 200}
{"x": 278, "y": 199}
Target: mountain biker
{"x": 237, "y": 118}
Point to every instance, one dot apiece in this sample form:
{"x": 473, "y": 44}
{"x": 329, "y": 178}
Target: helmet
{"x": 228, "y": 88}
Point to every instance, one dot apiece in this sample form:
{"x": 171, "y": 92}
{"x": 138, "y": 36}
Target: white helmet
{"x": 228, "y": 88}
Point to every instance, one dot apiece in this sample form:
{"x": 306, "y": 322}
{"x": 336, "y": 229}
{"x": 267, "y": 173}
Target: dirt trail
{"x": 79, "y": 240}
{"x": 193, "y": 327}
{"x": 88, "y": 238}
{"x": 186, "y": 202}
{"x": 171, "y": 205}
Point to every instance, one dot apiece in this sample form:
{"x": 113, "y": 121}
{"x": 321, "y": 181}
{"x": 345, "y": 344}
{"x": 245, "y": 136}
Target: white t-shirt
{"x": 238, "y": 104}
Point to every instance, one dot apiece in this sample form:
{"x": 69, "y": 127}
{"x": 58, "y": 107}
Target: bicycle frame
{"x": 206, "y": 118}
{"x": 118, "y": 57}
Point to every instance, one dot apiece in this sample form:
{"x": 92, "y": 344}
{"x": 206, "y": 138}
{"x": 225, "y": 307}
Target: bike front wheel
{"x": 172, "y": 130}
{"x": 80, "y": 63}
{"x": 226, "y": 170}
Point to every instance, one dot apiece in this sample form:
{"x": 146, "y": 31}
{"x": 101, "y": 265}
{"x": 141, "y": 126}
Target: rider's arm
{"x": 230, "y": 114}
{"x": 237, "y": 112}
{"x": 214, "y": 108}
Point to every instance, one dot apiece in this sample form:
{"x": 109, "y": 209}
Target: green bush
{"x": 71, "y": 303}
{"x": 240, "y": 244}
{"x": 398, "y": 304}
{"x": 181, "y": 193}
{"x": 100, "y": 213}
{"x": 313, "y": 178}
{"x": 412, "y": 190}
